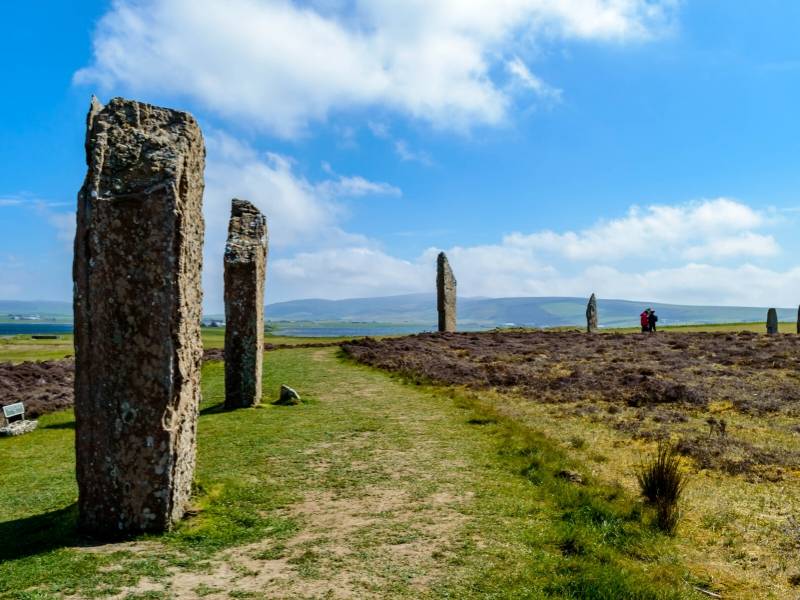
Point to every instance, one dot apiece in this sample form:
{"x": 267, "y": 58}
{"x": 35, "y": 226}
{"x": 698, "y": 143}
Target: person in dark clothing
{"x": 644, "y": 319}
{"x": 652, "y": 318}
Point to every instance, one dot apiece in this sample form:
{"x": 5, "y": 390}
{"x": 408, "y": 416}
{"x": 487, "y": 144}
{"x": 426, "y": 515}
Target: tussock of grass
{"x": 662, "y": 482}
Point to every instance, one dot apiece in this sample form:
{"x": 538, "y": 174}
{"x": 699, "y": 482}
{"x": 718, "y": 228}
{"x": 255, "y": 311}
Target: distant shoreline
{"x": 325, "y": 329}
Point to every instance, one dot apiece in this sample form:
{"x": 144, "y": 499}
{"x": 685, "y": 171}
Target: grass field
{"x": 729, "y": 403}
{"x": 374, "y": 487}
{"x": 19, "y": 348}
{"x": 370, "y": 488}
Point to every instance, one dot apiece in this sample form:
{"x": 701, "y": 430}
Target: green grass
{"x": 19, "y": 348}
{"x": 372, "y": 486}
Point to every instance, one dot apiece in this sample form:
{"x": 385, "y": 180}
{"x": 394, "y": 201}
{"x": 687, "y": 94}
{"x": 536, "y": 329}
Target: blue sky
{"x": 638, "y": 149}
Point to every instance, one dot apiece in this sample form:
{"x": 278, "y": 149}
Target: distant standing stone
{"x": 245, "y": 272}
{"x": 445, "y": 294}
{"x": 798, "y": 320}
{"x": 288, "y": 396}
{"x": 772, "y": 321}
{"x": 591, "y": 315}
{"x": 137, "y": 302}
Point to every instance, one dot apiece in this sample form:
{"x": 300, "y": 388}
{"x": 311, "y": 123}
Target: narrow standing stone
{"x": 138, "y": 305}
{"x": 245, "y": 270}
{"x": 772, "y": 321}
{"x": 591, "y": 315}
{"x": 445, "y": 294}
{"x": 798, "y": 320}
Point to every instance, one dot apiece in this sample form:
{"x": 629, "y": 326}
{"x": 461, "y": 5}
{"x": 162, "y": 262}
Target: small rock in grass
{"x": 18, "y": 427}
{"x": 288, "y": 397}
{"x": 571, "y": 476}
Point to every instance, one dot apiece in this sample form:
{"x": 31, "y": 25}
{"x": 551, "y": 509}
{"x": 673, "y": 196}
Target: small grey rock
{"x": 571, "y": 476}
{"x": 19, "y": 427}
{"x": 288, "y": 397}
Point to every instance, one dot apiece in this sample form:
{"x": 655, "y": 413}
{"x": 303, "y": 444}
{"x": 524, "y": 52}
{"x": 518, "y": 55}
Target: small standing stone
{"x": 591, "y": 315}
{"x": 245, "y": 272}
{"x": 138, "y": 304}
{"x": 445, "y": 294}
{"x": 772, "y": 321}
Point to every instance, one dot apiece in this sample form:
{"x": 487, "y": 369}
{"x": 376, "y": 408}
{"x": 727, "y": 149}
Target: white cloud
{"x": 689, "y": 263}
{"x": 348, "y": 272}
{"x": 354, "y": 186}
{"x": 530, "y": 81}
{"x": 707, "y": 229}
{"x": 401, "y": 147}
{"x": 747, "y": 244}
{"x": 300, "y": 213}
{"x": 52, "y": 212}
{"x": 502, "y": 272}
{"x": 694, "y": 283}
{"x": 406, "y": 154}
{"x": 280, "y": 65}
{"x": 64, "y": 224}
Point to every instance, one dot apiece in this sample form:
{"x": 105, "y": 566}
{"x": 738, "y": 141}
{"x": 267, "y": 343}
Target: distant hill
{"x": 491, "y": 312}
{"x": 420, "y": 310}
{"x": 42, "y": 308}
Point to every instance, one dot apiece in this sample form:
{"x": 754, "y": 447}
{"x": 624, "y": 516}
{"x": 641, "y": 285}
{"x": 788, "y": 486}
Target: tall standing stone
{"x": 245, "y": 270}
{"x": 445, "y": 294}
{"x": 798, "y": 320}
{"x": 772, "y": 321}
{"x": 137, "y": 302}
{"x": 591, "y": 315}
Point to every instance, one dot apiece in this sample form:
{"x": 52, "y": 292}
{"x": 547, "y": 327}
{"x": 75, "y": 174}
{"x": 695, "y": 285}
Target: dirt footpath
{"x": 385, "y": 478}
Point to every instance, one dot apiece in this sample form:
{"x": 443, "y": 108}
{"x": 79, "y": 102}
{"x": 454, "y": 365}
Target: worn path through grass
{"x": 370, "y": 488}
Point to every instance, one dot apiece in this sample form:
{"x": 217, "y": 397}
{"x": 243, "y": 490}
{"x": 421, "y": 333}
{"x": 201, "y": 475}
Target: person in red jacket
{"x": 644, "y": 320}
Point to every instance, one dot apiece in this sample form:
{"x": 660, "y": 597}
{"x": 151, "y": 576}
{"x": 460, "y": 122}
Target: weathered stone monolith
{"x": 798, "y": 320}
{"x": 137, "y": 302}
{"x": 245, "y": 270}
{"x": 772, "y": 321}
{"x": 591, "y": 315}
{"x": 445, "y": 294}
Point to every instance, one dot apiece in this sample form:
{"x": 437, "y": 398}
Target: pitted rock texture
{"x": 445, "y": 294}
{"x": 772, "y": 321}
{"x": 138, "y": 258}
{"x": 245, "y": 272}
{"x": 591, "y": 315}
